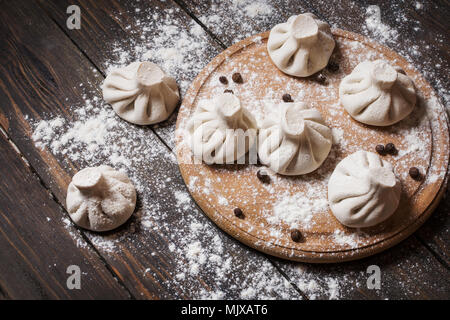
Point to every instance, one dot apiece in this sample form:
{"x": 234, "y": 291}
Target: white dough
{"x": 100, "y": 198}
{"x": 363, "y": 190}
{"x": 294, "y": 140}
{"x": 221, "y": 130}
{"x": 141, "y": 93}
{"x": 301, "y": 46}
{"x": 378, "y": 94}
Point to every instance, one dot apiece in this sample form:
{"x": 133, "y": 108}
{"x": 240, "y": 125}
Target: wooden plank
{"x": 234, "y": 21}
{"x": 37, "y": 248}
{"x": 231, "y": 21}
{"x": 161, "y": 252}
{"x": 408, "y": 271}
{"x": 3, "y": 294}
{"x": 435, "y": 233}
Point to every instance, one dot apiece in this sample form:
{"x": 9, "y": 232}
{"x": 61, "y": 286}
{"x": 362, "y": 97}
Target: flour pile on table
{"x": 376, "y": 27}
{"x": 251, "y": 14}
{"x": 197, "y": 246}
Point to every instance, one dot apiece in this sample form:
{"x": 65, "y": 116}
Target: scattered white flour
{"x": 257, "y": 8}
{"x": 248, "y": 293}
{"x": 297, "y": 210}
{"x": 375, "y": 26}
{"x": 253, "y": 16}
{"x": 181, "y": 51}
{"x": 341, "y": 238}
{"x": 320, "y": 287}
{"x": 182, "y": 198}
{"x": 333, "y": 288}
{"x": 223, "y": 201}
{"x": 338, "y": 135}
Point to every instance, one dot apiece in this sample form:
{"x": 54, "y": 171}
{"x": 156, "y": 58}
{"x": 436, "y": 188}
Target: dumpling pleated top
{"x": 295, "y": 140}
{"x": 301, "y": 46}
{"x": 141, "y": 93}
{"x": 377, "y": 93}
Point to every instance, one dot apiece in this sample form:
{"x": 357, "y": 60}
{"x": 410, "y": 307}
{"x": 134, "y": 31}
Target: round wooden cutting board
{"x": 422, "y": 140}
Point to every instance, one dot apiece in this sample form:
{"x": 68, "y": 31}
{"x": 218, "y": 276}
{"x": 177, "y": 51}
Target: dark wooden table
{"x": 42, "y": 66}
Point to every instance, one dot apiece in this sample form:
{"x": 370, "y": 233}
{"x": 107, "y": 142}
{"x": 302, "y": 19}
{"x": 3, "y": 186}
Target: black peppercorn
{"x": 237, "y": 77}
{"x": 296, "y": 235}
{"x": 263, "y": 176}
{"x": 414, "y": 173}
{"x": 223, "y": 80}
{"x": 380, "y": 149}
{"x": 287, "y": 98}
{"x": 333, "y": 66}
{"x": 238, "y": 213}
{"x": 390, "y": 148}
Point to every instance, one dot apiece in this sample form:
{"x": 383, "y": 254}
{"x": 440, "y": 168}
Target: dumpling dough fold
{"x": 221, "y": 130}
{"x": 301, "y": 46}
{"x": 141, "y": 93}
{"x": 378, "y": 94}
{"x": 295, "y": 140}
{"x": 363, "y": 190}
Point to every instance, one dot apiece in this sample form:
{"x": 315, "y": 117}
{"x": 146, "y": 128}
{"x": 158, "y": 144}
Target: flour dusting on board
{"x": 96, "y": 134}
{"x": 297, "y": 210}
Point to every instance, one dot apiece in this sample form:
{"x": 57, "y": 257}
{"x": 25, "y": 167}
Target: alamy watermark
{"x": 74, "y": 20}
{"x": 74, "y": 280}
{"x": 374, "y": 280}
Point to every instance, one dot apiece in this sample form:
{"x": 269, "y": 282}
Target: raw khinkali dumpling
{"x": 295, "y": 140}
{"x": 301, "y": 46}
{"x": 363, "y": 190}
{"x": 141, "y": 93}
{"x": 100, "y": 198}
{"x": 221, "y": 130}
{"x": 378, "y": 94}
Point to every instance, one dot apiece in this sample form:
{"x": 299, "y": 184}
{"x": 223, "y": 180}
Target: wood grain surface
{"x": 38, "y": 58}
